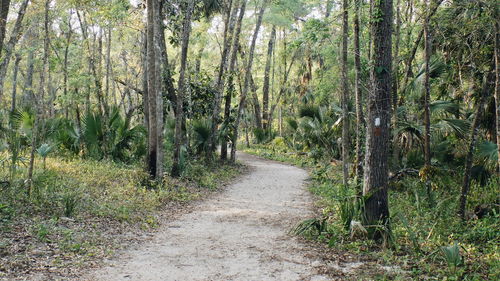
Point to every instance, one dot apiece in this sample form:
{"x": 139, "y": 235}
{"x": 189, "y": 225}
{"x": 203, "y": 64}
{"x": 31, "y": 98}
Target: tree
{"x": 357, "y": 91}
{"x": 232, "y": 68}
{"x": 229, "y": 26}
{"x": 265, "y": 88}
{"x": 186, "y": 30}
{"x": 11, "y": 44}
{"x": 345, "y": 94}
{"x": 246, "y": 84}
{"x": 427, "y": 97}
{"x": 376, "y": 208}
{"x": 154, "y": 141}
{"x": 473, "y": 136}
{"x": 4, "y": 13}
{"x": 497, "y": 83}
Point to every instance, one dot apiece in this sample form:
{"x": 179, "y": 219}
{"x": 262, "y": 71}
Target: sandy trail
{"x": 240, "y": 234}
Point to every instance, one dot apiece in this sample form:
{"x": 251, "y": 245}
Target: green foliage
{"x": 452, "y": 255}
{"x": 421, "y": 236}
{"x": 201, "y": 136}
{"x": 114, "y": 138}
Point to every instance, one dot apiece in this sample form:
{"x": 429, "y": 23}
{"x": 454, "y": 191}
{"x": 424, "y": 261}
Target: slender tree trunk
{"x": 4, "y": 13}
{"x": 232, "y": 68}
{"x": 167, "y": 86}
{"x": 93, "y": 67}
{"x": 497, "y": 85}
{"x": 246, "y": 84}
{"x": 474, "y": 132}
{"x": 357, "y": 91}
{"x": 232, "y": 11}
{"x": 152, "y": 93}
{"x": 345, "y": 94}
{"x": 36, "y": 102}
{"x": 413, "y": 52}
{"x": 14, "y": 83}
{"x": 28, "y": 84}
{"x": 376, "y": 209}
{"x": 159, "y": 70}
{"x": 255, "y": 98}
{"x": 395, "y": 84}
{"x": 108, "y": 62}
{"x": 197, "y": 66}
{"x": 16, "y": 33}
{"x": 186, "y": 30}
{"x": 66, "y": 57}
{"x": 265, "y": 89}
{"x": 145, "y": 99}
{"x": 427, "y": 97}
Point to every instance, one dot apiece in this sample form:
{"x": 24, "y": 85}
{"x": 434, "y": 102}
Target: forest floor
{"x": 240, "y": 234}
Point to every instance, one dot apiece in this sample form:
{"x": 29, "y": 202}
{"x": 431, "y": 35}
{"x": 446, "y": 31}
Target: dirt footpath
{"x": 240, "y": 234}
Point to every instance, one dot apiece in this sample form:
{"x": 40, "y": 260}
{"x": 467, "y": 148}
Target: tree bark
{"x": 14, "y": 83}
{"x": 152, "y": 93}
{"x": 427, "y": 97}
{"x": 417, "y": 43}
{"x": 103, "y": 110}
{"x": 376, "y": 209}
{"x": 265, "y": 88}
{"x": 248, "y": 74}
{"x": 395, "y": 83}
{"x": 11, "y": 44}
{"x": 167, "y": 84}
{"x": 232, "y": 68}
{"x": 69, "y": 34}
{"x": 255, "y": 98}
{"x": 345, "y": 94}
{"x": 36, "y": 103}
{"x": 474, "y": 132}
{"x": 28, "y": 84}
{"x": 4, "y": 13}
{"x": 229, "y": 26}
{"x": 186, "y": 30}
{"x": 159, "y": 71}
{"x": 108, "y": 62}
{"x": 357, "y": 91}
{"x": 497, "y": 85}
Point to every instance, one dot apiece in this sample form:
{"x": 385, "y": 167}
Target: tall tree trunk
{"x": 4, "y": 13}
{"x": 395, "y": 83}
{"x": 376, "y": 209}
{"x": 152, "y": 93}
{"x": 246, "y": 84}
{"x": 357, "y": 91}
{"x": 232, "y": 68}
{"x": 108, "y": 62}
{"x": 232, "y": 11}
{"x": 93, "y": 67}
{"x": 38, "y": 103}
{"x": 167, "y": 82}
{"x": 255, "y": 98}
{"x": 497, "y": 84}
{"x": 265, "y": 89}
{"x": 11, "y": 44}
{"x": 14, "y": 83}
{"x": 413, "y": 51}
{"x": 345, "y": 94}
{"x": 427, "y": 97}
{"x": 474, "y": 132}
{"x": 69, "y": 34}
{"x": 28, "y": 84}
{"x": 186, "y": 30}
{"x": 159, "y": 70}
{"x": 145, "y": 99}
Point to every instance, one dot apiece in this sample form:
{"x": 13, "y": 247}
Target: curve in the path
{"x": 238, "y": 235}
